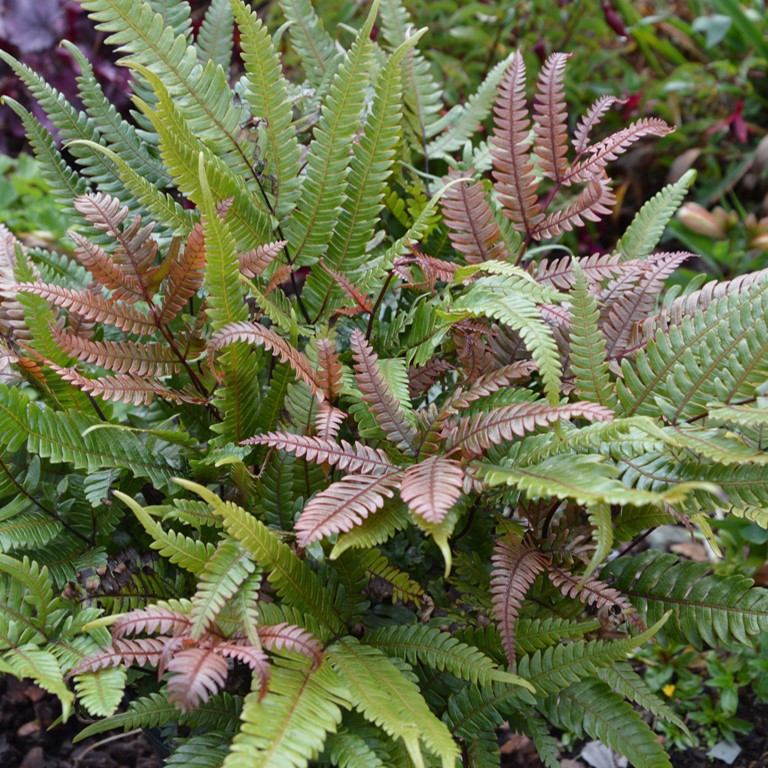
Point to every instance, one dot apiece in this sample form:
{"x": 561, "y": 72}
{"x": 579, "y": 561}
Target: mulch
{"x": 27, "y": 713}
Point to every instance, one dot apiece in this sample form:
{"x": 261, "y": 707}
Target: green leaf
{"x": 648, "y": 225}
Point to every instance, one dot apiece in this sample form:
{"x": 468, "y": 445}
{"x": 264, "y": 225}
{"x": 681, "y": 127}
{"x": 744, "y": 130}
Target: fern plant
{"x": 323, "y": 440}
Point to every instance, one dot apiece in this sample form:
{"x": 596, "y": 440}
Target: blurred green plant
{"x": 26, "y": 205}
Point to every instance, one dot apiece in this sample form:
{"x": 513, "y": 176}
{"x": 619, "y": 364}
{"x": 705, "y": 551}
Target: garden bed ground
{"x": 26, "y": 712}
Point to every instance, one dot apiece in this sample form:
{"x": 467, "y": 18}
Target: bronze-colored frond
{"x": 592, "y": 117}
{"x": 551, "y": 118}
{"x": 139, "y": 358}
{"x": 595, "y": 593}
{"x": 515, "y": 568}
{"x": 94, "y": 306}
{"x": 135, "y": 247}
{"x": 185, "y": 275}
{"x": 472, "y": 227}
{"x": 600, "y": 154}
{"x": 289, "y": 637}
{"x": 106, "y": 271}
{"x": 329, "y": 370}
{"x": 254, "y": 333}
{"x": 594, "y": 201}
{"x": 597, "y": 268}
{"x": 254, "y": 262}
{"x": 345, "y": 504}
{"x": 633, "y": 305}
{"x": 474, "y": 434}
{"x": 328, "y": 420}
{"x": 357, "y": 457}
{"x": 510, "y": 145}
{"x": 432, "y": 487}
{"x": 197, "y": 674}
{"x": 422, "y": 377}
{"x": 378, "y": 395}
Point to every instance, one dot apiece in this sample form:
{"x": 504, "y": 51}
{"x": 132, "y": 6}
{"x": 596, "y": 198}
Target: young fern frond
{"x": 513, "y": 169}
{"x": 588, "y": 357}
{"x": 551, "y": 118}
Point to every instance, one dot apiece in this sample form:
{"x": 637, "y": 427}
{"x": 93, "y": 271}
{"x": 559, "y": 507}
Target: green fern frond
{"x": 267, "y": 95}
{"x": 521, "y": 314}
{"x": 705, "y": 609}
{"x": 191, "y": 554}
{"x": 623, "y": 679}
{"x": 120, "y": 135}
{"x": 102, "y": 691}
{"x": 593, "y": 708}
{"x": 201, "y": 93}
{"x": 380, "y": 692}
{"x": 67, "y": 437}
{"x": 423, "y": 96}
{"x": 227, "y": 568}
{"x": 461, "y": 123}
{"x": 646, "y": 229}
{"x": 215, "y": 39}
{"x": 181, "y": 148}
{"x": 292, "y": 578}
{"x": 64, "y": 183}
{"x": 43, "y": 667}
{"x": 441, "y": 651}
{"x": 288, "y": 726}
{"x": 536, "y": 634}
{"x": 557, "y": 667}
{"x": 586, "y": 478}
{"x": 588, "y": 360}
{"x": 375, "y": 529}
{"x": 717, "y": 355}
{"x": 310, "y": 227}
{"x": 372, "y": 159}
{"x": 154, "y": 710}
{"x": 317, "y": 51}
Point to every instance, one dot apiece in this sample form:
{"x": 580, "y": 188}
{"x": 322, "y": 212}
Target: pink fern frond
{"x": 510, "y": 151}
{"x": 141, "y": 359}
{"x": 94, "y": 306}
{"x": 472, "y": 227}
{"x": 600, "y": 154}
{"x": 185, "y": 275}
{"x": 254, "y": 333}
{"x": 515, "y": 567}
{"x": 431, "y": 487}
{"x": 197, "y": 674}
{"x": 344, "y": 504}
{"x": 357, "y": 457}
{"x": 551, "y": 118}
{"x": 474, "y": 434}
{"x": 254, "y": 262}
{"x": 378, "y": 395}
{"x": 289, "y": 637}
{"x": 592, "y": 117}
{"x": 594, "y": 201}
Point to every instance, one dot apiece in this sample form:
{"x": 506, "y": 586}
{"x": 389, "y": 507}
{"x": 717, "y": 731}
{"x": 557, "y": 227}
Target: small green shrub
{"x": 340, "y": 448}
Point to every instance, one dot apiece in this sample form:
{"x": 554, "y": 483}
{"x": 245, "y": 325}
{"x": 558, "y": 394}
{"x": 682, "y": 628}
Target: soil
{"x": 27, "y": 712}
